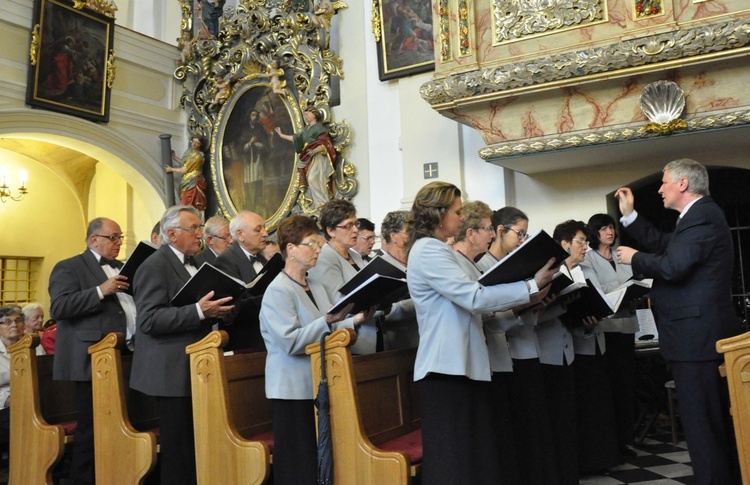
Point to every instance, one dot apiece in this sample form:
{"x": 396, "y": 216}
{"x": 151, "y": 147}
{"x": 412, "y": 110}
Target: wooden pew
{"x": 231, "y": 415}
{"x": 122, "y": 453}
{"x": 736, "y": 352}
{"x": 42, "y": 414}
{"x": 373, "y": 412}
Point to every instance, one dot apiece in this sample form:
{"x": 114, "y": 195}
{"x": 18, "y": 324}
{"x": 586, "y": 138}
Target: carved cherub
{"x": 223, "y": 91}
{"x": 274, "y": 73}
{"x": 186, "y": 47}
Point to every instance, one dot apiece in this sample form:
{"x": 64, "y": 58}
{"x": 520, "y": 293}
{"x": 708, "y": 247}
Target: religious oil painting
{"x": 71, "y": 66}
{"x": 405, "y": 44}
{"x": 256, "y": 166}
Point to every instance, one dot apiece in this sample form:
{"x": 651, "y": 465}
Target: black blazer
{"x": 82, "y": 318}
{"x": 160, "y": 365}
{"x": 244, "y": 331}
{"x": 692, "y": 271}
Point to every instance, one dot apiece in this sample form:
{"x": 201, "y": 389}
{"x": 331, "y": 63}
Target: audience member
{"x": 33, "y": 314}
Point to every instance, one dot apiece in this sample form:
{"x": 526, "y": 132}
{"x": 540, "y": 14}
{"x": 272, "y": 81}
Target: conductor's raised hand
{"x": 626, "y": 199}
{"x": 216, "y": 308}
{"x": 544, "y": 275}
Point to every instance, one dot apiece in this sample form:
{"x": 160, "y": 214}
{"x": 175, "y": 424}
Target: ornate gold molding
{"x": 678, "y": 45}
{"x": 516, "y": 19}
{"x": 444, "y": 29}
{"x": 377, "y": 24}
{"x": 111, "y": 69}
{"x": 35, "y": 44}
{"x": 601, "y": 137}
{"x": 104, "y": 7}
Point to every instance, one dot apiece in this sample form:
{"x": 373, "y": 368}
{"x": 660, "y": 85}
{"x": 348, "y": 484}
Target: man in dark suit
{"x": 216, "y": 239}
{"x": 161, "y": 368}
{"x": 88, "y": 301}
{"x": 692, "y": 270}
{"x": 244, "y": 260}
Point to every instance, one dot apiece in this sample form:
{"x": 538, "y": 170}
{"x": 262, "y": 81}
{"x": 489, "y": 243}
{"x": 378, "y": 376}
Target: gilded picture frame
{"x": 71, "y": 66}
{"x": 253, "y": 167}
{"x": 404, "y": 34}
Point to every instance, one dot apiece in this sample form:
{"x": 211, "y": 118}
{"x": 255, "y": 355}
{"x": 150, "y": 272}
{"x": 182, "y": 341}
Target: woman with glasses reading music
{"x": 452, "y": 366}
{"x": 530, "y": 421}
{"x": 339, "y": 262}
{"x": 292, "y": 316}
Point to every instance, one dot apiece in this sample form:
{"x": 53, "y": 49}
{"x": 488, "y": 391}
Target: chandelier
{"x": 5, "y": 191}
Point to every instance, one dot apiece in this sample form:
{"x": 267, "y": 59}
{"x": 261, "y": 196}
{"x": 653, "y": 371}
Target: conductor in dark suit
{"x": 692, "y": 270}
{"x": 244, "y": 260}
{"x": 160, "y": 365}
{"x": 83, "y": 294}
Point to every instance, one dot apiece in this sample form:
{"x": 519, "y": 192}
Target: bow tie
{"x": 191, "y": 260}
{"x": 104, "y": 261}
{"x": 257, "y": 257}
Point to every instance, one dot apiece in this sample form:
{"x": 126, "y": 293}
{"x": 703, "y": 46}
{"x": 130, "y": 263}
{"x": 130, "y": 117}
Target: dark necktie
{"x": 104, "y": 261}
{"x": 191, "y": 260}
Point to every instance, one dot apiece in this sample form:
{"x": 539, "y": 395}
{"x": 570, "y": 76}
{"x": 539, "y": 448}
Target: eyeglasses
{"x": 191, "y": 228}
{"x": 488, "y": 228}
{"x": 368, "y": 238}
{"x": 223, "y": 238}
{"x": 522, "y": 235}
{"x": 348, "y": 226}
{"x": 9, "y": 321}
{"x": 582, "y": 242}
{"x": 311, "y": 244}
{"x": 112, "y": 237}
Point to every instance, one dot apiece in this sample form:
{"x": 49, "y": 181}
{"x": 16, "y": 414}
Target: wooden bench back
{"x": 39, "y": 404}
{"x": 736, "y": 352}
{"x": 123, "y": 454}
{"x": 229, "y": 405}
{"x": 372, "y": 400}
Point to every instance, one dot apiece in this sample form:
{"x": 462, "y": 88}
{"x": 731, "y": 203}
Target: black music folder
{"x": 589, "y": 302}
{"x": 524, "y": 262}
{"x": 377, "y": 265}
{"x": 376, "y": 290}
{"x": 143, "y": 250}
{"x": 210, "y": 278}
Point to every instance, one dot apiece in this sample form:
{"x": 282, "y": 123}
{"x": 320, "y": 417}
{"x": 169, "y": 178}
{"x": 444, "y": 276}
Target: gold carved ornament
{"x": 35, "y": 42}
{"x": 111, "y": 68}
{"x": 103, "y": 7}
{"x": 376, "y": 20}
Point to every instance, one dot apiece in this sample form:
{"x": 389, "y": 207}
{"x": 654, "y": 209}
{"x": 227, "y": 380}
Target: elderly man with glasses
{"x": 216, "y": 239}
{"x": 88, "y": 301}
{"x": 161, "y": 368}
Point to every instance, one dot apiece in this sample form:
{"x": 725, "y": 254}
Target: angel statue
{"x": 193, "y": 183}
{"x": 223, "y": 91}
{"x": 274, "y": 73}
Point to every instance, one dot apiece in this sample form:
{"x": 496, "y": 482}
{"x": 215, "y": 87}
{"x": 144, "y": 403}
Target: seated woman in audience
{"x": 530, "y": 421}
{"x": 338, "y": 262}
{"x": 604, "y": 272}
{"x": 292, "y": 316}
{"x": 400, "y": 329}
{"x": 11, "y": 331}
{"x": 452, "y": 366}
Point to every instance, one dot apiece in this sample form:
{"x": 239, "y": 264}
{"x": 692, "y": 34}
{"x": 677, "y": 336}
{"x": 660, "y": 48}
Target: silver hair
{"x": 30, "y": 307}
{"x": 393, "y": 222}
{"x": 213, "y": 225}
{"x": 694, "y": 172}
{"x": 171, "y": 220}
{"x": 238, "y": 222}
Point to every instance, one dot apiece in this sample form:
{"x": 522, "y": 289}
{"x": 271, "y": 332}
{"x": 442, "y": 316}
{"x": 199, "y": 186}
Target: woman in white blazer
{"x": 604, "y": 272}
{"x": 292, "y": 316}
{"x": 452, "y": 365}
{"x": 338, "y": 262}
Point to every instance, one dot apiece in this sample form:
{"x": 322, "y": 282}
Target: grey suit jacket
{"x": 82, "y": 318}
{"x": 602, "y": 275}
{"x": 244, "y": 331}
{"x": 205, "y": 256}
{"x": 692, "y": 271}
{"x": 449, "y": 304}
{"x": 289, "y": 321}
{"x": 332, "y": 271}
{"x": 160, "y": 365}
